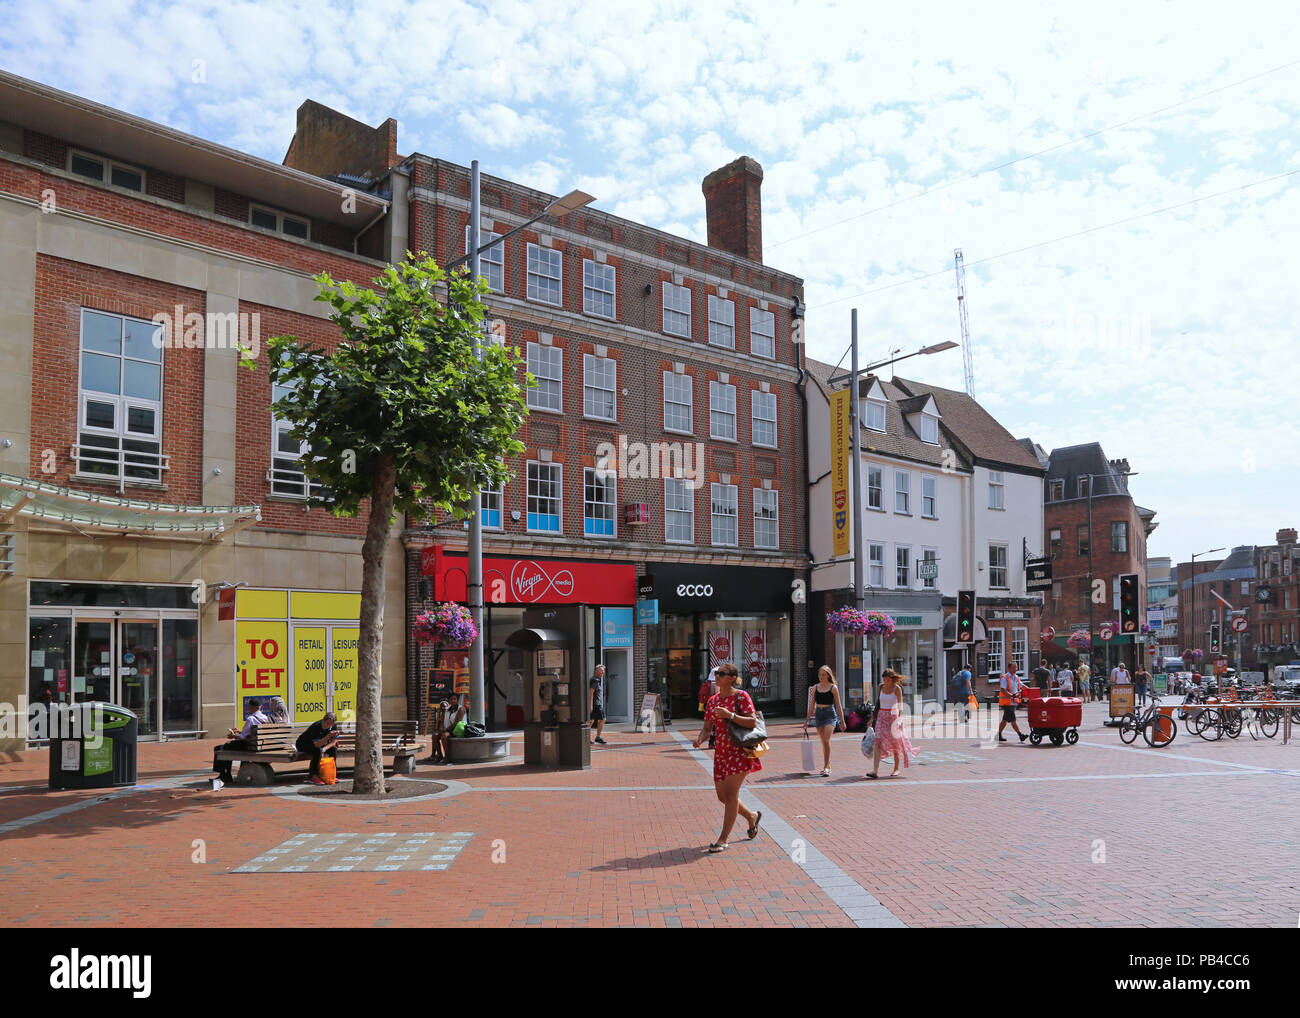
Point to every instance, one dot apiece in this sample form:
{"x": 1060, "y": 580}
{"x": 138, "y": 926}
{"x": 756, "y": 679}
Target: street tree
{"x": 407, "y": 415}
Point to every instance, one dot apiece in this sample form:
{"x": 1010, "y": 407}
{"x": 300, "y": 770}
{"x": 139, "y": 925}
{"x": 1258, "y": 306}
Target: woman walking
{"x": 730, "y": 764}
{"x": 891, "y": 740}
{"x": 825, "y": 698}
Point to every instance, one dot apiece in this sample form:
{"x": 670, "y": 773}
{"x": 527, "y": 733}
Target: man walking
{"x": 1066, "y": 678}
{"x": 1119, "y": 674}
{"x": 962, "y": 692}
{"x": 1140, "y": 679}
{"x": 1008, "y": 690}
{"x": 596, "y": 703}
{"x": 1086, "y": 687}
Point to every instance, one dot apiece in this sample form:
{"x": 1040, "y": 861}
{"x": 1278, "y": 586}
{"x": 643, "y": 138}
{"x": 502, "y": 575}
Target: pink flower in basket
{"x": 447, "y": 624}
{"x": 1079, "y": 639}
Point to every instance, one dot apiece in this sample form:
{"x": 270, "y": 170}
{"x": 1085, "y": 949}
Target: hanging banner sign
{"x": 840, "y": 445}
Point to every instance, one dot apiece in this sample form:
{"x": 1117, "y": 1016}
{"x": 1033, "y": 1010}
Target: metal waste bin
{"x": 93, "y": 745}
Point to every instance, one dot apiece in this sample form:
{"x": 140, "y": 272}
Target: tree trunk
{"x": 368, "y": 767}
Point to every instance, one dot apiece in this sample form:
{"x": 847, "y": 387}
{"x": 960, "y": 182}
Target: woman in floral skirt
{"x": 891, "y": 739}
{"x": 730, "y": 764}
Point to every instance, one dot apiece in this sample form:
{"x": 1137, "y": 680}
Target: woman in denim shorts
{"x": 824, "y": 699}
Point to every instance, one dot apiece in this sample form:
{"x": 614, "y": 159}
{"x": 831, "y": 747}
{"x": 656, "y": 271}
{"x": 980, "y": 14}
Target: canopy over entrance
{"x": 97, "y": 515}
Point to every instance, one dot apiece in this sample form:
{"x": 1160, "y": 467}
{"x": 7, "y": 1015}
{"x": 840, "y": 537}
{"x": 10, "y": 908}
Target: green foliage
{"x": 405, "y": 381}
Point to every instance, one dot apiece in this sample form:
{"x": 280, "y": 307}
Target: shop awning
{"x": 98, "y": 515}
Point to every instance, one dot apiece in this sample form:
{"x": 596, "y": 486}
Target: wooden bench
{"x": 277, "y": 744}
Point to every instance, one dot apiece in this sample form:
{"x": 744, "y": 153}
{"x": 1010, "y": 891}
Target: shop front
{"x": 589, "y": 602}
{"x": 912, "y": 650}
{"x": 711, "y": 614}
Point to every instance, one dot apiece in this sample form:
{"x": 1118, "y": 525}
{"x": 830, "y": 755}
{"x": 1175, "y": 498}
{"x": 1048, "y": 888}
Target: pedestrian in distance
{"x": 1043, "y": 676}
{"x": 1066, "y": 678}
{"x": 1009, "y": 690}
{"x": 596, "y": 703}
{"x": 825, "y": 698}
{"x": 1119, "y": 676}
{"x": 707, "y": 688}
{"x": 276, "y": 712}
{"x": 731, "y": 765}
{"x": 320, "y": 740}
{"x": 241, "y": 739}
{"x": 1140, "y": 681}
{"x": 1085, "y": 684}
{"x": 962, "y": 691}
{"x": 891, "y": 739}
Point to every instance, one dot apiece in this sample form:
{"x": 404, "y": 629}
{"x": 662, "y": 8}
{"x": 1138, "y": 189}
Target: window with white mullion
{"x": 996, "y": 645}
{"x": 766, "y": 518}
{"x": 873, "y": 414}
{"x": 597, "y": 289}
{"x": 876, "y": 565}
{"x": 677, "y": 310}
{"x": 763, "y": 418}
{"x": 546, "y": 365}
{"x": 930, "y": 555}
{"x": 287, "y": 475}
{"x": 1020, "y": 649}
{"x": 762, "y": 333}
{"x": 492, "y": 262}
{"x": 120, "y": 398}
{"x": 997, "y": 491}
{"x": 679, "y": 403}
{"x": 106, "y": 171}
{"x": 722, "y": 411}
{"x": 902, "y": 492}
{"x": 929, "y": 500}
{"x": 679, "y": 511}
{"x": 490, "y": 507}
{"x": 903, "y": 566}
{"x": 722, "y": 322}
{"x": 545, "y": 274}
{"x": 544, "y": 497}
{"x": 875, "y": 488}
{"x": 599, "y": 387}
{"x": 998, "y": 566}
{"x": 724, "y": 512}
{"x": 599, "y": 496}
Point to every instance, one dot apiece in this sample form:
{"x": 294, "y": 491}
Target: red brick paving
{"x": 944, "y": 845}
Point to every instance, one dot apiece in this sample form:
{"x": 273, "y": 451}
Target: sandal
{"x": 753, "y": 828}
{"x": 826, "y": 772}
{"x": 873, "y": 775}
{"x": 718, "y": 847}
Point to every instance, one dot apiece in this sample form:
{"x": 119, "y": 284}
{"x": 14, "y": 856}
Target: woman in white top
{"x": 891, "y": 740}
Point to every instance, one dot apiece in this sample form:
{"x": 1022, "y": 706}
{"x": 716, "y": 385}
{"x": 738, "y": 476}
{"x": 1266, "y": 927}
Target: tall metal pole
{"x": 856, "y": 502}
{"x": 474, "y": 586}
{"x": 1091, "y": 635}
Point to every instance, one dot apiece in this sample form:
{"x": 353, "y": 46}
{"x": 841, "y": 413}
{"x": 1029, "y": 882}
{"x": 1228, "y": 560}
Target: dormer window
{"x": 873, "y": 414}
{"x": 929, "y": 429}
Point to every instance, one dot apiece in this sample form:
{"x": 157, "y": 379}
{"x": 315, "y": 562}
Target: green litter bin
{"x": 93, "y": 745}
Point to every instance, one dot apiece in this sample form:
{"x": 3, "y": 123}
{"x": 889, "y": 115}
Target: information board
{"x": 310, "y": 674}
{"x": 343, "y": 668}
{"x": 1121, "y": 699}
{"x": 652, "y": 714}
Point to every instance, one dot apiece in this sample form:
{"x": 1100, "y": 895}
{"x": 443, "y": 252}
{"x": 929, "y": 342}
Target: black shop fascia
{"x": 710, "y": 614}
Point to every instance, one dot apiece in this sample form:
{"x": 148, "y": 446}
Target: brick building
{"x": 1274, "y": 635}
{"x": 1095, "y": 531}
{"x": 1206, "y": 619}
{"x": 157, "y": 550}
{"x": 663, "y": 444}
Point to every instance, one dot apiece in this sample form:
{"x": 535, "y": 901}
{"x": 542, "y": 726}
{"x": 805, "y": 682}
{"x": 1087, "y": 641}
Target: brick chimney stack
{"x": 734, "y": 209}
{"x": 1286, "y": 535}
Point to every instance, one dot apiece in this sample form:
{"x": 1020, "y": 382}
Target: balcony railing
{"x": 121, "y": 464}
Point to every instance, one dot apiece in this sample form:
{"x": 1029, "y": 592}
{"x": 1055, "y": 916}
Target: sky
{"x": 1169, "y": 338}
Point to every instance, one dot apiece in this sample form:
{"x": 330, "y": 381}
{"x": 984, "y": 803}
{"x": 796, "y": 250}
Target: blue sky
{"x": 1170, "y": 339}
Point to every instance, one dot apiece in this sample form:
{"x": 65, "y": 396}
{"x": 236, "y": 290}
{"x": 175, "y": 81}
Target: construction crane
{"x": 965, "y": 322}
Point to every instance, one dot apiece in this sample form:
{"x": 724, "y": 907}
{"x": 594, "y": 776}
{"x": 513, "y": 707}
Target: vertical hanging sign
{"x": 840, "y": 472}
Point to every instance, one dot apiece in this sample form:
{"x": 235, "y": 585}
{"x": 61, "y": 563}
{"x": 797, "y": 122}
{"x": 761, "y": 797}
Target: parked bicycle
{"x": 1158, "y": 729}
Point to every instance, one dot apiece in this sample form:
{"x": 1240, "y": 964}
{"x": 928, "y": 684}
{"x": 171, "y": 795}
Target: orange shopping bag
{"x": 329, "y": 770}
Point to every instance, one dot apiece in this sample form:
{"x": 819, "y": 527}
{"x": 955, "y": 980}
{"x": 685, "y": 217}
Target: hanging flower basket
{"x": 1191, "y": 654}
{"x": 851, "y": 620}
{"x": 1146, "y": 628}
{"x": 1080, "y": 640}
{"x": 448, "y": 625}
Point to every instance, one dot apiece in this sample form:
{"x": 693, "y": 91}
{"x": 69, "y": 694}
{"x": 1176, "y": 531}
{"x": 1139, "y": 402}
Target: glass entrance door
{"x": 137, "y": 672}
{"x": 92, "y": 661}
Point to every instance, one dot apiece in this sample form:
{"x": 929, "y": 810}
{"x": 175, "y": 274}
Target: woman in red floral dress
{"x": 730, "y": 764}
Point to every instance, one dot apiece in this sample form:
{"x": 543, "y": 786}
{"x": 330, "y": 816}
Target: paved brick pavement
{"x": 1094, "y": 834}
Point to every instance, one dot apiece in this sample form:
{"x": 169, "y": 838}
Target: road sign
{"x": 1156, "y": 617}
{"x": 1240, "y": 624}
{"x": 1106, "y": 632}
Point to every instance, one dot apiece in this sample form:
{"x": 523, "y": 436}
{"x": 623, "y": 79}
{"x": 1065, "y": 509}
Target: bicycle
{"x": 1151, "y": 724}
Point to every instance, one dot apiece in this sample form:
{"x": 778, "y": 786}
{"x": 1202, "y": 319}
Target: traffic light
{"x": 1128, "y": 603}
{"x": 965, "y": 616}
{"x": 1214, "y": 637}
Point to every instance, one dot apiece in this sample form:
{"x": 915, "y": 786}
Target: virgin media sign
{"x": 532, "y": 581}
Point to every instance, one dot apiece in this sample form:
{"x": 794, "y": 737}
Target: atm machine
{"x": 555, "y": 727}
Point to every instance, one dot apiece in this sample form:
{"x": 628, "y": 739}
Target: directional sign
{"x": 1240, "y": 624}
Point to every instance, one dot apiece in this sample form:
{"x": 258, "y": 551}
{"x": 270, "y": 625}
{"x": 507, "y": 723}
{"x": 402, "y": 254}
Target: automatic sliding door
{"x": 138, "y": 672}
{"x": 92, "y": 661}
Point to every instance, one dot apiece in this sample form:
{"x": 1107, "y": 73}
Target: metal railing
{"x": 128, "y": 465}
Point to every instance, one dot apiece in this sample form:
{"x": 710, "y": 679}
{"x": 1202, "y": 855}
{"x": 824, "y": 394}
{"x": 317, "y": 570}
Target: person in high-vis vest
{"x": 1008, "y": 690}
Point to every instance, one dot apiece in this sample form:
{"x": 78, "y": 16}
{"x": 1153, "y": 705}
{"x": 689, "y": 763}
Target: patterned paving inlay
{"x": 352, "y": 852}
{"x": 932, "y": 756}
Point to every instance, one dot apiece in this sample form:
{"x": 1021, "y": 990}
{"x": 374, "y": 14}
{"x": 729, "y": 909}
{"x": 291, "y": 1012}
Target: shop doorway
{"x": 618, "y": 685}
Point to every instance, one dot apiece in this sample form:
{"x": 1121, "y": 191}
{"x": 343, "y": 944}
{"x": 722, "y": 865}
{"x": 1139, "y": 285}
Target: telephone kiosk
{"x": 555, "y": 702}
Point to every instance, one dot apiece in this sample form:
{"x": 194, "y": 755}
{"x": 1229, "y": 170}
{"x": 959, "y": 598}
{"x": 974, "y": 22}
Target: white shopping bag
{"x": 809, "y": 758}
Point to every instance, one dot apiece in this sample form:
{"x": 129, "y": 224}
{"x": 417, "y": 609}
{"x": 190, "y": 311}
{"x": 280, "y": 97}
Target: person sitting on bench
{"x": 319, "y": 740}
{"x": 243, "y": 739}
{"x": 451, "y": 716}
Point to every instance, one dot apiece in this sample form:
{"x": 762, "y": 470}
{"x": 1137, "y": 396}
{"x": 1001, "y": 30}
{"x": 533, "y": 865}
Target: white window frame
{"x": 610, "y": 479}
{"x": 762, "y": 327}
{"x": 109, "y": 165}
{"x": 679, "y": 501}
{"x": 767, "y": 516}
{"x": 492, "y": 262}
{"x": 717, "y": 415}
{"x": 677, "y": 310}
{"x": 997, "y": 650}
{"x": 878, "y": 489}
{"x": 903, "y": 564}
{"x": 594, "y": 276}
{"x": 932, "y": 483}
{"x": 730, "y": 505}
{"x": 905, "y": 490}
{"x": 876, "y": 565}
{"x": 122, "y": 405}
{"x": 1123, "y": 524}
{"x": 529, "y": 496}
{"x": 1020, "y": 649}
{"x": 722, "y": 322}
{"x": 540, "y": 262}
{"x": 929, "y": 554}
{"x": 676, "y": 402}
{"x": 600, "y": 366}
{"x": 929, "y": 425}
{"x": 552, "y": 358}
{"x": 870, "y": 409}
{"x": 1005, "y": 567}
{"x": 280, "y": 218}
{"x": 997, "y": 490}
{"x": 288, "y": 482}
{"x": 1083, "y": 486}
{"x": 492, "y": 500}
{"x": 757, "y": 420}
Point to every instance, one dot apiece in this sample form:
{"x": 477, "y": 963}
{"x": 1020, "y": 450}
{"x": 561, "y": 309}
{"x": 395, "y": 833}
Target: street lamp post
{"x": 474, "y": 586}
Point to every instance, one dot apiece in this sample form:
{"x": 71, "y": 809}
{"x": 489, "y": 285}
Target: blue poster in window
{"x": 616, "y": 627}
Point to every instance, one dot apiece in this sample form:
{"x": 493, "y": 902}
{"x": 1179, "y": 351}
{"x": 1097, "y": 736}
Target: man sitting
{"x": 319, "y": 740}
{"x": 452, "y": 716}
{"x": 242, "y": 739}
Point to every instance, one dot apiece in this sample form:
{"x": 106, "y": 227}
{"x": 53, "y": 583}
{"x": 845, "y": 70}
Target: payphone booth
{"x": 555, "y": 703}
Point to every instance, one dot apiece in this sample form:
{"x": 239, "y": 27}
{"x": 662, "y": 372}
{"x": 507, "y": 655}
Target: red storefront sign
{"x": 532, "y": 581}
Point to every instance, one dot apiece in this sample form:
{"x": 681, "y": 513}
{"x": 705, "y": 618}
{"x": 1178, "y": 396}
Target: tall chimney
{"x": 733, "y": 208}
